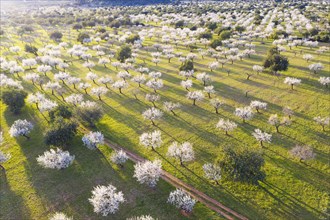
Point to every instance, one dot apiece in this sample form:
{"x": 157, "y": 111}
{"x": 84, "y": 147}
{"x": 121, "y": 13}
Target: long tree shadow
{"x": 11, "y": 203}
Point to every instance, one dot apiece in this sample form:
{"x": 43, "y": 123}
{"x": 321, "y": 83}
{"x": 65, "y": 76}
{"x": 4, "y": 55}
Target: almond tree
{"x": 36, "y": 99}
{"x": 216, "y": 103}
{"x": 204, "y": 77}
{"x": 171, "y": 106}
{"x": 322, "y": 121}
{"x": 302, "y": 152}
{"x": 119, "y": 157}
{"x": 209, "y": 90}
{"x": 258, "y": 68}
{"x": 151, "y": 139}
{"x": 21, "y": 128}
{"x": 120, "y": 84}
{"x": 140, "y": 79}
{"x": 325, "y": 81}
{"x": 124, "y": 75}
{"x": 74, "y": 99}
{"x": 258, "y": 105}
{"x": 213, "y": 66}
{"x": 181, "y": 200}
{"x": 60, "y": 216}
{"x": 105, "y": 80}
{"x": 226, "y": 125}
{"x": 104, "y": 61}
{"x": 262, "y": 136}
{"x": 47, "y": 105}
{"x": 212, "y": 172}
{"x": 3, "y": 157}
{"x": 44, "y": 69}
{"x": 89, "y": 65}
{"x": 53, "y": 86}
{"x": 92, "y": 139}
{"x": 152, "y": 114}
{"x": 287, "y": 111}
{"x": 33, "y": 77}
{"x": 152, "y": 98}
{"x": 106, "y": 199}
{"x": 73, "y": 81}
{"x": 308, "y": 57}
{"x": 292, "y": 81}
{"x": 98, "y": 91}
{"x": 148, "y": 172}
{"x": 91, "y": 76}
{"x": 155, "y": 84}
{"x": 316, "y": 67}
{"x": 62, "y": 76}
{"x": 84, "y": 86}
{"x": 183, "y": 152}
{"x": 55, "y": 159}
{"x": 186, "y": 84}
{"x": 244, "y": 113}
{"x": 195, "y": 96}
{"x": 277, "y": 122}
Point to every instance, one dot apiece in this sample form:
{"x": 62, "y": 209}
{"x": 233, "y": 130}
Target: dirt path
{"x": 198, "y": 195}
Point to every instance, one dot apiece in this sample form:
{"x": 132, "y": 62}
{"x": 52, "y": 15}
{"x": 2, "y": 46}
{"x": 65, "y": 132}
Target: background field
{"x": 292, "y": 190}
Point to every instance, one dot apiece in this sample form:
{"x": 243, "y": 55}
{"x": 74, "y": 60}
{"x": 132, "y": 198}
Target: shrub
{"x": 225, "y": 35}
{"x": 56, "y": 36}
{"x": 244, "y": 166}
{"x": 206, "y": 35}
{"x": 15, "y": 99}
{"x": 60, "y": 132}
{"x": 132, "y": 38}
{"x": 31, "y": 49}
{"x": 89, "y": 112}
{"x": 216, "y": 43}
{"x": 186, "y": 66}
{"x": 60, "y": 111}
{"x": 124, "y": 53}
{"x": 82, "y": 36}
{"x": 276, "y": 62}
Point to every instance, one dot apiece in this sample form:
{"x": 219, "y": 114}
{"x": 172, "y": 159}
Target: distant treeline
{"x": 126, "y": 2}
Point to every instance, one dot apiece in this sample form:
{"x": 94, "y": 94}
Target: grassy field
{"x": 292, "y": 190}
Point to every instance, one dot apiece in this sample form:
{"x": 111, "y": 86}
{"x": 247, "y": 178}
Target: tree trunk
{"x": 27, "y": 137}
{"x": 277, "y": 129}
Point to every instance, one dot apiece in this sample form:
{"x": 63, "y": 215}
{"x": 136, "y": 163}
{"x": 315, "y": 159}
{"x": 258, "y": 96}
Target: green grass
{"x": 292, "y": 190}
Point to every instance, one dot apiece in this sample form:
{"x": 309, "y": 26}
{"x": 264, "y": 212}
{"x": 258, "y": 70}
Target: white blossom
{"x": 119, "y": 157}
{"x": 60, "y": 216}
{"x": 195, "y": 96}
{"x": 302, "y": 152}
{"x": 106, "y": 199}
{"x": 258, "y": 105}
{"x": 148, "y": 172}
{"x": 20, "y": 127}
{"x": 181, "y": 200}
{"x": 226, "y": 125}
{"x": 316, "y": 67}
{"x": 262, "y": 136}
{"x": 152, "y": 114}
{"x": 55, "y": 159}
{"x": 212, "y": 172}
{"x": 184, "y": 152}
{"x": 152, "y": 139}
{"x": 92, "y": 139}
{"x": 74, "y": 99}
{"x": 244, "y": 113}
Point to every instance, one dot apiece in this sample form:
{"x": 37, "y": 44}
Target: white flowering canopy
{"x": 55, "y": 159}
{"x": 181, "y": 200}
{"x": 148, "y": 172}
{"x": 106, "y": 199}
{"x": 92, "y": 139}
